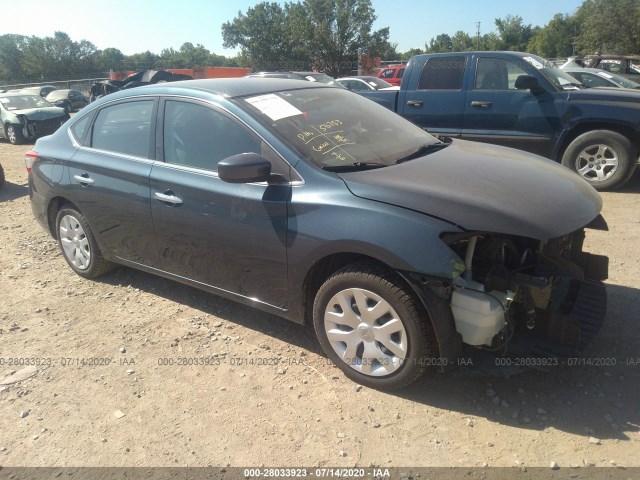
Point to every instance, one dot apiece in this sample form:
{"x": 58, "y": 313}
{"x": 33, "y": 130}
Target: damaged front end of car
{"x": 526, "y": 296}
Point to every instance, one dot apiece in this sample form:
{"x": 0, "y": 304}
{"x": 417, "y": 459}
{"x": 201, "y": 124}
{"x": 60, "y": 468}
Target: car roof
{"x": 359, "y": 77}
{"x": 17, "y": 94}
{"x": 226, "y": 87}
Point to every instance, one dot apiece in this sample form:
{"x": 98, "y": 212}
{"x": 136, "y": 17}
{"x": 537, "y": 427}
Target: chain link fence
{"x": 83, "y": 84}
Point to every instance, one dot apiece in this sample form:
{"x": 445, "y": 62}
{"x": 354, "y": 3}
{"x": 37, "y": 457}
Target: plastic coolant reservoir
{"x": 478, "y": 316}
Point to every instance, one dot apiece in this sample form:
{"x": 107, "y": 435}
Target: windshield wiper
{"x": 424, "y": 150}
{"x": 354, "y": 166}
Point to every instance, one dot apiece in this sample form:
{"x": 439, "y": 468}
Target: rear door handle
{"x": 479, "y": 104}
{"x": 84, "y": 179}
{"x": 414, "y": 103}
{"x": 168, "y": 197}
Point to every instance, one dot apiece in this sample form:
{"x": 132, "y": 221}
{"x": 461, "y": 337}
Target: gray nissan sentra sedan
{"x": 318, "y": 205}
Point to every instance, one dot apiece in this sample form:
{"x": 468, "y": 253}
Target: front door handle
{"x": 414, "y": 103}
{"x": 84, "y": 179}
{"x": 479, "y": 104}
{"x": 168, "y": 197}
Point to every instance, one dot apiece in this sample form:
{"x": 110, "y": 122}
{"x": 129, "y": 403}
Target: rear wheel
{"x": 372, "y": 327}
{"x": 78, "y": 245}
{"x": 14, "y": 135}
{"x": 604, "y": 158}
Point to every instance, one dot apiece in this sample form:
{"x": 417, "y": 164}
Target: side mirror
{"x": 244, "y": 168}
{"x": 528, "y": 82}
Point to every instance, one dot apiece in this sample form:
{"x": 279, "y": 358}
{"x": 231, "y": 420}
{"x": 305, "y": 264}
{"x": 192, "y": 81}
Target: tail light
{"x": 29, "y": 158}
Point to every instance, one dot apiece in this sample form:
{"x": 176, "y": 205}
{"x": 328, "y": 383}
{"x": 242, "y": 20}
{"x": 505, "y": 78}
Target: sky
{"x": 135, "y": 26}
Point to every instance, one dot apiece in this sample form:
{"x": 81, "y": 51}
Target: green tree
{"x": 514, "y": 35}
{"x": 379, "y": 45}
{"x": 194, "y": 56}
{"x": 334, "y": 32}
{"x": 109, "y": 59}
{"x": 170, "y": 58}
{"x": 609, "y": 26}
{"x": 141, "y": 61}
{"x": 263, "y": 35}
{"x": 11, "y": 57}
{"x": 441, "y": 43}
{"x": 462, "y": 42}
{"x": 490, "y": 42}
{"x": 556, "y": 39}
{"x": 405, "y": 56}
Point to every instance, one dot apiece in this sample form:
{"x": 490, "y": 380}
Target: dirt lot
{"x": 109, "y": 390}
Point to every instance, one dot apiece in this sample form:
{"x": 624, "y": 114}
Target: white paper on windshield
{"x": 534, "y": 62}
{"x": 604, "y": 74}
{"x": 5, "y": 100}
{"x": 273, "y": 106}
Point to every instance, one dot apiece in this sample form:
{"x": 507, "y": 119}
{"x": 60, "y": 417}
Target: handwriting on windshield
{"x": 327, "y": 138}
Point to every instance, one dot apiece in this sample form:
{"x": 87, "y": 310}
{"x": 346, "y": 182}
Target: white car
{"x": 360, "y": 83}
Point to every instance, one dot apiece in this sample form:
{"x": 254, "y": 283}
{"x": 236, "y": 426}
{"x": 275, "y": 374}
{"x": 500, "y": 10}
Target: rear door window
{"x": 442, "y": 73}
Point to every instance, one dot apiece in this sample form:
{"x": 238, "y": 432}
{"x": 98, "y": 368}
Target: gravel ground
{"x": 115, "y": 382}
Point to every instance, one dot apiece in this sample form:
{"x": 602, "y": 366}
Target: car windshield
{"x": 559, "y": 78}
{"x": 617, "y": 79}
{"x": 377, "y": 82}
{"x": 57, "y": 94}
{"x": 22, "y": 102}
{"x": 321, "y": 78}
{"x": 334, "y": 128}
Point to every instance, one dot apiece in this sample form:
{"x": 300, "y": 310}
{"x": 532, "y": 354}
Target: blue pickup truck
{"x": 520, "y": 100}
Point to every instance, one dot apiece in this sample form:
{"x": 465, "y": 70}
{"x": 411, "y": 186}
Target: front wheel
{"x": 14, "y": 135}
{"x": 372, "y": 327}
{"x": 78, "y": 245}
{"x": 604, "y": 158}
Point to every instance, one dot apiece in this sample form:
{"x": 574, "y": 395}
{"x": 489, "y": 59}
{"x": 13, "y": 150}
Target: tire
{"x": 14, "y": 135}
{"x": 2, "y": 180}
{"x": 369, "y": 355}
{"x": 604, "y": 158}
{"x": 78, "y": 245}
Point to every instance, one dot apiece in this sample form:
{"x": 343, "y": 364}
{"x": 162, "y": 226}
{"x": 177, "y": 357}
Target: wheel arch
{"x": 625, "y": 130}
{"x": 55, "y": 205}
{"x": 436, "y": 310}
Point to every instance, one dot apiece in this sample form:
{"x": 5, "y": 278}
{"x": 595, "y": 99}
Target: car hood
{"x": 609, "y": 94}
{"x": 43, "y": 113}
{"x": 485, "y": 187}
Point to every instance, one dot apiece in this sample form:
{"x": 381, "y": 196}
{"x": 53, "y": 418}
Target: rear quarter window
{"x": 124, "y": 128}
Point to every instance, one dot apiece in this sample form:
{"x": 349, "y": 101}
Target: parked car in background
{"x": 365, "y": 83}
{"x": 26, "y": 117}
{"x": 594, "y": 77}
{"x": 41, "y": 90}
{"x": 318, "y": 205}
{"x": 71, "y": 100}
{"x": 289, "y": 75}
{"x": 520, "y": 100}
{"x": 625, "y": 65}
{"x": 392, "y": 74}
{"x": 308, "y": 76}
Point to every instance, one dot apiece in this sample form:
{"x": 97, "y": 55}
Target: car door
{"x": 434, "y": 99}
{"x": 497, "y": 112}
{"x": 108, "y": 178}
{"x": 229, "y": 236}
